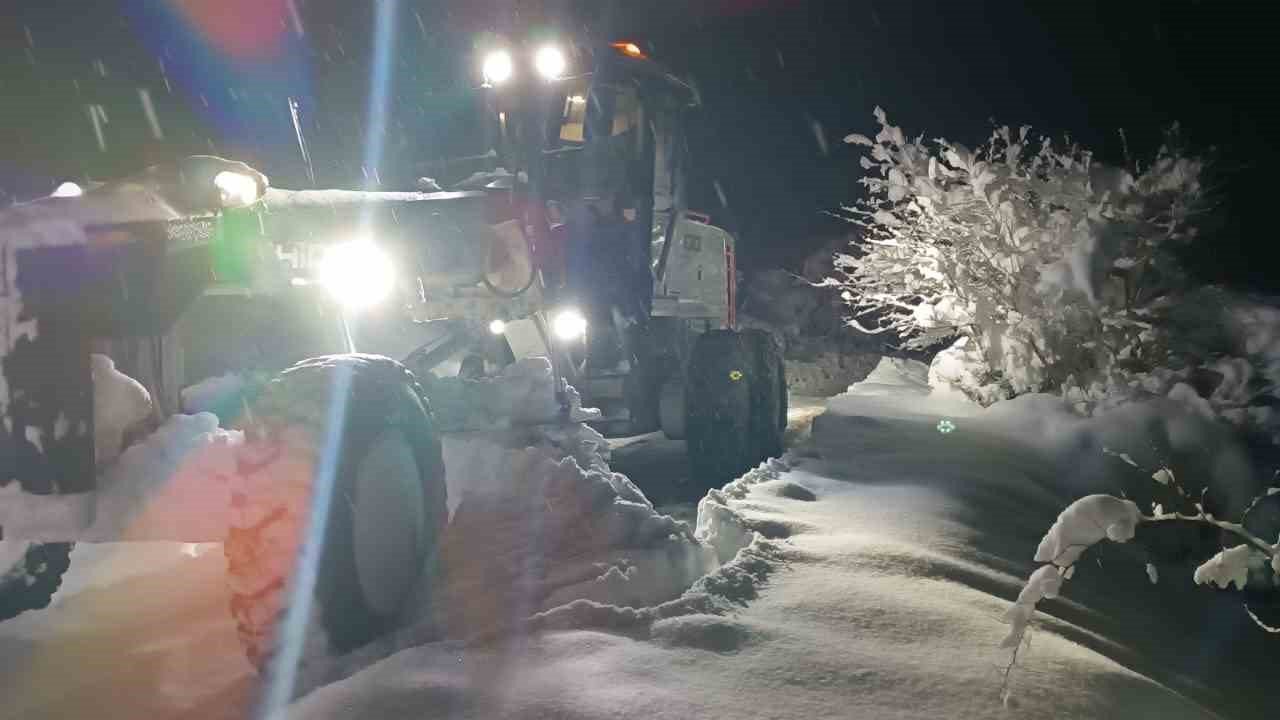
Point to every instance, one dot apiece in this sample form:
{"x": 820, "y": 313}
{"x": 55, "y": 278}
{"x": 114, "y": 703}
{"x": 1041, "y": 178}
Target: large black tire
{"x": 272, "y": 501}
{"x": 718, "y": 402}
{"x": 768, "y": 393}
{"x": 29, "y": 584}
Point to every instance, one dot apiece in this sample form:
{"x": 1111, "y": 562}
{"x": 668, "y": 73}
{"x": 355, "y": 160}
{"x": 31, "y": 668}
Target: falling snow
{"x": 148, "y": 109}
{"x": 98, "y": 118}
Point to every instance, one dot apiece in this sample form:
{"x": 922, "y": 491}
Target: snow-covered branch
{"x": 1094, "y": 518}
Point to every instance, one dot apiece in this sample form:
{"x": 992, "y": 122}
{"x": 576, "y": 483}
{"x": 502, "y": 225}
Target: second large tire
{"x": 385, "y": 515}
{"x": 718, "y": 402}
{"x": 31, "y": 574}
{"x": 768, "y": 393}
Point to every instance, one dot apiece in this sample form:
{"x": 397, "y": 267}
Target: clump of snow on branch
{"x": 1227, "y": 567}
{"x": 1085, "y": 522}
{"x": 1045, "y": 269}
{"x": 1045, "y": 582}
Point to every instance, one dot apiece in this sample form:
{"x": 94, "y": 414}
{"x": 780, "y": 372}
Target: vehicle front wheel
{"x": 362, "y": 421}
{"x": 768, "y": 393}
{"x": 718, "y": 402}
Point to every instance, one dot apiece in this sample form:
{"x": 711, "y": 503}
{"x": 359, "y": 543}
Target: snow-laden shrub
{"x": 1247, "y": 563}
{"x": 1222, "y": 355}
{"x": 1046, "y": 269}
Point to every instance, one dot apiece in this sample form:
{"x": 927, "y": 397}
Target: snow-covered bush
{"x": 1046, "y": 269}
{"x": 1248, "y": 561}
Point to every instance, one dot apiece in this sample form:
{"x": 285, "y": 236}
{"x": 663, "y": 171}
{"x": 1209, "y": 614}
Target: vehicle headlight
{"x": 358, "y": 273}
{"x": 497, "y": 67}
{"x": 236, "y": 189}
{"x": 497, "y": 326}
{"x": 569, "y": 324}
{"x": 550, "y": 62}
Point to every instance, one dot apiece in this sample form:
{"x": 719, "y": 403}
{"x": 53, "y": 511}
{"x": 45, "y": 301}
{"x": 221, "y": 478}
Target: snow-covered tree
{"x": 1048, "y": 270}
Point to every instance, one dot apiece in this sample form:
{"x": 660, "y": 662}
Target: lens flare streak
{"x": 284, "y": 670}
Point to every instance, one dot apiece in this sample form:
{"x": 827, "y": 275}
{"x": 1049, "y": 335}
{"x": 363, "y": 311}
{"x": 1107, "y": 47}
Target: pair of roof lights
{"x": 549, "y": 61}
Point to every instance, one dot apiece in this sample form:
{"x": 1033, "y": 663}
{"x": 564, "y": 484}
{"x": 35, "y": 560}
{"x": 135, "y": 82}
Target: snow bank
{"x": 172, "y": 484}
{"x": 43, "y": 517}
{"x": 542, "y": 534}
{"x": 727, "y": 530}
{"x": 537, "y": 509}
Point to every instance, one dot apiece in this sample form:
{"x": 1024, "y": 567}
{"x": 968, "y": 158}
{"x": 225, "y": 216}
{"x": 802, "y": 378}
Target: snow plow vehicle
{"x": 293, "y": 357}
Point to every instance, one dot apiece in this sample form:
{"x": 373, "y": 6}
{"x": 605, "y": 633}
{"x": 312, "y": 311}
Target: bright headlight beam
{"x": 569, "y": 324}
{"x": 358, "y": 273}
{"x": 497, "y": 67}
{"x": 497, "y": 326}
{"x": 236, "y": 189}
{"x": 549, "y": 61}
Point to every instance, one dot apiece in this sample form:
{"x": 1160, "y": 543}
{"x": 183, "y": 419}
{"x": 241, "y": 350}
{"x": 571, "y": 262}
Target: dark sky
{"x": 780, "y": 79}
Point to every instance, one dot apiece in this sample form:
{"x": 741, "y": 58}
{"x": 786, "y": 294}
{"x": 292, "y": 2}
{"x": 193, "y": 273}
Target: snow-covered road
{"x": 879, "y": 560}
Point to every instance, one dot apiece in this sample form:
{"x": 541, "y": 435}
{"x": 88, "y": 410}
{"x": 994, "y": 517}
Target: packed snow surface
{"x": 867, "y": 574}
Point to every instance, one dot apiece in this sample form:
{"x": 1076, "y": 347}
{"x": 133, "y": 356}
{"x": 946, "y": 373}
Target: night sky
{"x": 782, "y": 82}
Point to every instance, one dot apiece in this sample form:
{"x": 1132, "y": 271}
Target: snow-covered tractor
{"x": 180, "y": 347}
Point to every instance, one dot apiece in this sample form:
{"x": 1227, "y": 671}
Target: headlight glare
{"x": 357, "y": 272}
{"x": 550, "y": 62}
{"x": 497, "y": 67}
{"x": 569, "y": 324}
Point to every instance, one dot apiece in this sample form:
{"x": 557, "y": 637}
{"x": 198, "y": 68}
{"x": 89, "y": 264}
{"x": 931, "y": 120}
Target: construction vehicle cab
{"x": 603, "y": 148}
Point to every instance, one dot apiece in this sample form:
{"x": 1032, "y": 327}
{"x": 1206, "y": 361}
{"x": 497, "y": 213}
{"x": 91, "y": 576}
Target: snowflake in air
{"x": 946, "y": 426}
